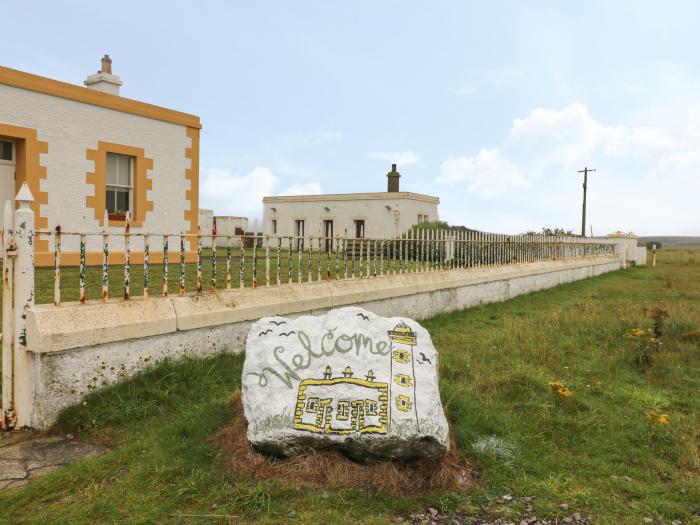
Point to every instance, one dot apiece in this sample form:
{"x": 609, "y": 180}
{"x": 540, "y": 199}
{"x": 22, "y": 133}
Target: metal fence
{"x": 264, "y": 260}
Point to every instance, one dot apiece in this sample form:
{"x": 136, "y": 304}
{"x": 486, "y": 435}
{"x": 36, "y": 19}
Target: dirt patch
{"x": 332, "y": 469}
{"x": 28, "y": 456}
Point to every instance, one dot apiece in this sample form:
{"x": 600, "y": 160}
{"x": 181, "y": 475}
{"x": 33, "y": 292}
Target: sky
{"x": 492, "y": 106}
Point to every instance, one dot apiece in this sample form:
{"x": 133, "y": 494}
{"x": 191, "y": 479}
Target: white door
{"x": 7, "y": 179}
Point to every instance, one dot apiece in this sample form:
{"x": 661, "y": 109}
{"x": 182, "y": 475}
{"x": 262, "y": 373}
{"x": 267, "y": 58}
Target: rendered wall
{"x": 77, "y": 349}
{"x": 380, "y": 222}
{"x": 225, "y": 225}
{"x": 71, "y": 128}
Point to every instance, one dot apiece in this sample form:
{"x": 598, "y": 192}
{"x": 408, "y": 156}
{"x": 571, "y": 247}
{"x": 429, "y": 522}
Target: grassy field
{"x": 596, "y": 450}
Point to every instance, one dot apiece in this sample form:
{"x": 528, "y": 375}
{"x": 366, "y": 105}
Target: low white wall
{"x": 641, "y": 255}
{"x": 77, "y": 349}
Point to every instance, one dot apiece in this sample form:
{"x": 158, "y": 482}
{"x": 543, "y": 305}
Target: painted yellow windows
{"x": 119, "y": 198}
{"x": 121, "y": 172}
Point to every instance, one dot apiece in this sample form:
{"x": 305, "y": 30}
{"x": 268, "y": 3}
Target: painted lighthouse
{"x": 403, "y": 377}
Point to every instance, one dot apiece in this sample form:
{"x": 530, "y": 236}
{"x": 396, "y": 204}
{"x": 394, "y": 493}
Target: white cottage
{"x": 372, "y": 215}
{"x": 85, "y": 151}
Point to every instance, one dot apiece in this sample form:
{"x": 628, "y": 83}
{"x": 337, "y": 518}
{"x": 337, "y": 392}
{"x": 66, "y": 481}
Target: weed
{"x": 646, "y": 346}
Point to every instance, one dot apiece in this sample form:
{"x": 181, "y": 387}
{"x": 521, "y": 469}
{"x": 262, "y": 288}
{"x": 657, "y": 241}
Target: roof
{"x": 56, "y": 88}
{"x": 384, "y": 195}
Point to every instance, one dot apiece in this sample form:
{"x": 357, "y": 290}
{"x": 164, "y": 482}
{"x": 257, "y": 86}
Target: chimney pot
{"x": 393, "y": 180}
{"x": 106, "y": 65}
{"x": 104, "y": 80}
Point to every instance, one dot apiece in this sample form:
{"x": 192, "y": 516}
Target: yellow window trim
{"x": 28, "y": 168}
{"x": 140, "y": 184}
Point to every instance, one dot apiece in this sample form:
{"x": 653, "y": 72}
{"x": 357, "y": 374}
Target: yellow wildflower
{"x": 661, "y": 419}
{"x": 559, "y": 389}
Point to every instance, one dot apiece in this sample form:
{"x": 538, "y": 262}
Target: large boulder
{"x": 350, "y": 380}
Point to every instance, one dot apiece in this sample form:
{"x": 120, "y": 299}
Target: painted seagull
{"x": 265, "y": 332}
{"x": 277, "y": 323}
{"x": 287, "y": 334}
{"x": 424, "y": 359}
{"x": 363, "y": 316}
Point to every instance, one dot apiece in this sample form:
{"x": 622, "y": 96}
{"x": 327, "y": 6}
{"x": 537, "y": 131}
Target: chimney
{"x": 104, "y": 80}
{"x": 393, "y": 180}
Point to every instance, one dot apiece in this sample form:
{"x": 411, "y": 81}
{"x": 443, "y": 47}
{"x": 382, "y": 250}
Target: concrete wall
{"x": 626, "y": 246}
{"x": 225, "y": 225}
{"x": 76, "y": 349}
{"x": 385, "y": 214}
{"x": 71, "y": 128}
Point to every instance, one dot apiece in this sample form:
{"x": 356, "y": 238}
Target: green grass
{"x": 495, "y": 362}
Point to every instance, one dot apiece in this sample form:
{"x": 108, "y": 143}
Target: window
{"x": 5, "y": 150}
{"x": 328, "y": 233}
{"x": 299, "y": 232}
{"x": 370, "y": 407}
{"x": 342, "y": 412}
{"x": 422, "y": 218}
{"x": 274, "y": 226}
{"x": 359, "y": 229}
{"x": 119, "y": 183}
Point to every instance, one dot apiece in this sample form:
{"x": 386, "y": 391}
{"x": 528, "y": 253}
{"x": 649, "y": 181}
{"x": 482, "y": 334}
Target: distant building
{"x": 89, "y": 156}
{"x": 225, "y": 225}
{"x": 374, "y": 215}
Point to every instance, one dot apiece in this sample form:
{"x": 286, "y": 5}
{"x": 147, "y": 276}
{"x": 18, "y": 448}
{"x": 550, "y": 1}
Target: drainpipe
{"x": 8, "y": 417}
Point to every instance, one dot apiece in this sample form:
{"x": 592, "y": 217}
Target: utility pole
{"x": 585, "y": 172}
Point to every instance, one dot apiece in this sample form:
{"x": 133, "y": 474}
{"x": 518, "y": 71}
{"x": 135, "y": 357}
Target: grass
{"x": 495, "y": 363}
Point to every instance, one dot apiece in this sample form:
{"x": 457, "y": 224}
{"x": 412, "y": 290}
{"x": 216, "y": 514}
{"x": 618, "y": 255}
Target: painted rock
{"x": 350, "y": 380}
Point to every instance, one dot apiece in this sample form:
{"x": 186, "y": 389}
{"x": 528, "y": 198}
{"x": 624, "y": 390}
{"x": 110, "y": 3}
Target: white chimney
{"x": 104, "y": 80}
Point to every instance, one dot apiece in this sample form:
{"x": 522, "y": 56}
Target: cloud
{"x": 646, "y": 180}
{"x": 402, "y": 158}
{"x": 484, "y": 175}
{"x": 310, "y": 188}
{"x": 229, "y": 194}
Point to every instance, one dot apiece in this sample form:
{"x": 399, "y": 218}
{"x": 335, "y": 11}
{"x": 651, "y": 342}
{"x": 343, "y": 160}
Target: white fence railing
{"x": 260, "y": 259}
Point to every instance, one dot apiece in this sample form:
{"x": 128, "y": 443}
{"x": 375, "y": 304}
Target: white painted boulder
{"x": 350, "y": 380}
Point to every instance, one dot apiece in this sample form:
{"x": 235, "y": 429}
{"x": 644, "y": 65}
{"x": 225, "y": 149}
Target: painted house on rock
{"x": 89, "y": 156}
{"x": 380, "y": 215}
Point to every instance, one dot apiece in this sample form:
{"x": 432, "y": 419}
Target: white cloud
{"x": 485, "y": 175}
{"x": 229, "y": 194}
{"x": 402, "y": 158}
{"x": 647, "y": 179}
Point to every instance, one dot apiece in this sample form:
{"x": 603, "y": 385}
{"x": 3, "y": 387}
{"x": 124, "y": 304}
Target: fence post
{"x": 7, "y": 411}
{"x": 23, "y": 301}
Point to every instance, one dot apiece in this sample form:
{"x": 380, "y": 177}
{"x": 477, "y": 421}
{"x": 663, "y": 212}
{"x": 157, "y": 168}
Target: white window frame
{"x": 129, "y": 187}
